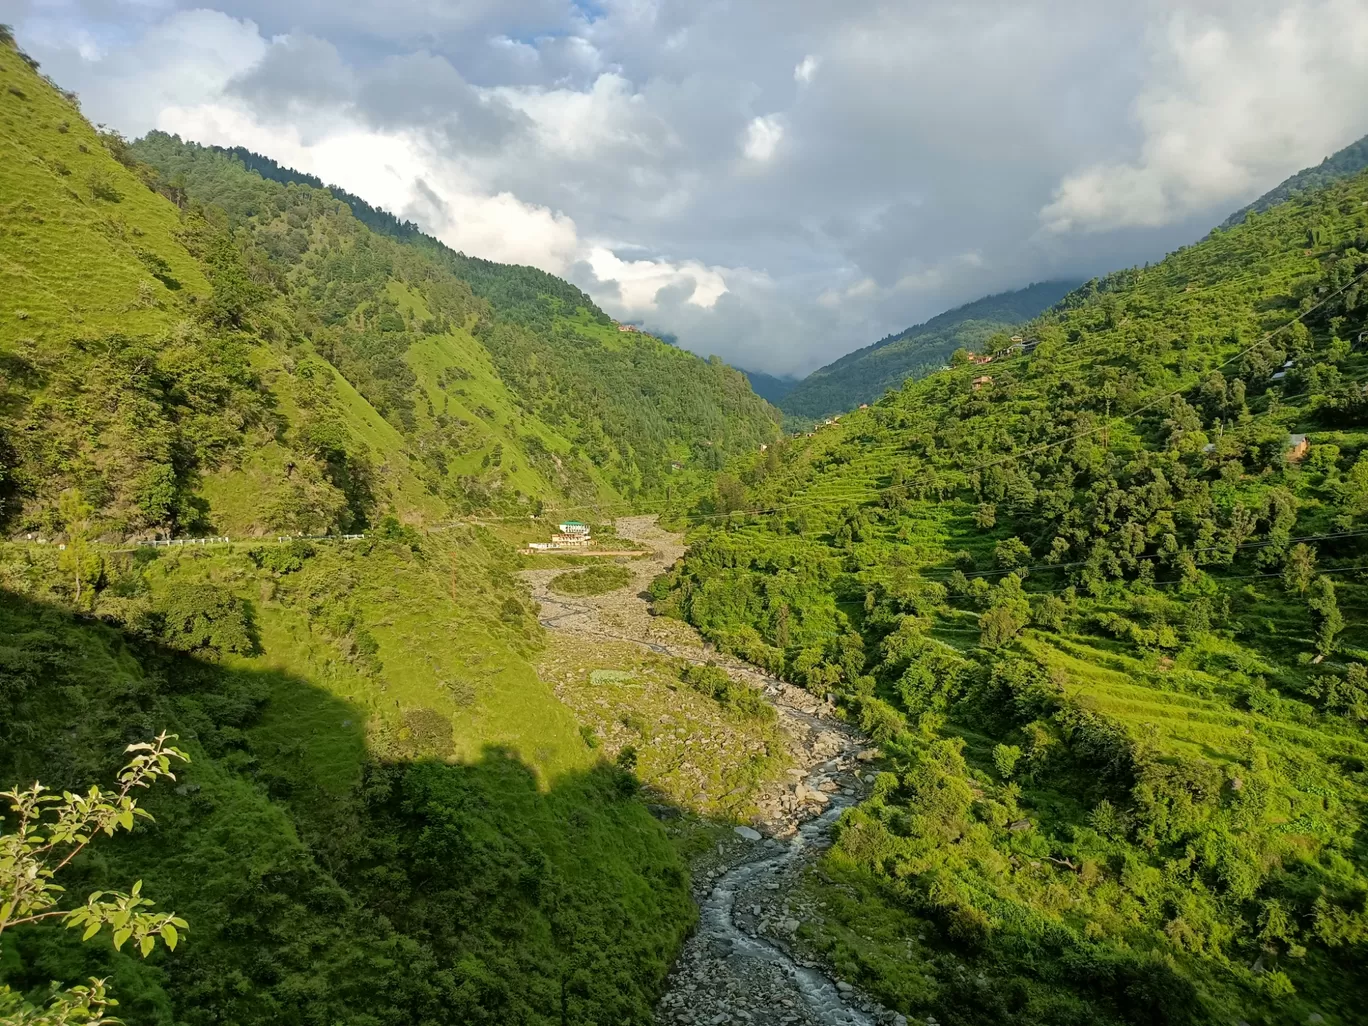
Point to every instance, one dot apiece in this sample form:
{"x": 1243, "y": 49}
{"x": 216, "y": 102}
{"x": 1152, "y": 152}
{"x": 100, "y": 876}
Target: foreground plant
{"x": 50, "y": 831}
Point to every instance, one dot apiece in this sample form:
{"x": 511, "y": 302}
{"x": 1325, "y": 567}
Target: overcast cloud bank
{"x": 776, "y": 182}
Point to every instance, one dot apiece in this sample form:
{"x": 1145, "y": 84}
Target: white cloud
{"x": 1232, "y": 105}
{"x": 763, "y": 136}
{"x": 674, "y": 160}
{"x": 401, "y": 172}
{"x": 806, "y": 68}
{"x": 641, "y": 281}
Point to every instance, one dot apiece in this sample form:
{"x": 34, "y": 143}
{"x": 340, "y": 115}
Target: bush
{"x": 283, "y": 559}
{"x": 717, "y": 684}
{"x": 598, "y": 579}
{"x": 205, "y": 617}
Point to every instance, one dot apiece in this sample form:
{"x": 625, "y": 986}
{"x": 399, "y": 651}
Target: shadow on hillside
{"x": 323, "y": 884}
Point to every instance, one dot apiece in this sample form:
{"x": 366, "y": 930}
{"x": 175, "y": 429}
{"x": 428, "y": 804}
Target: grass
{"x": 691, "y": 749}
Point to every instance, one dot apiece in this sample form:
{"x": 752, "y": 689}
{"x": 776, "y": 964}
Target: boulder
{"x": 748, "y": 833}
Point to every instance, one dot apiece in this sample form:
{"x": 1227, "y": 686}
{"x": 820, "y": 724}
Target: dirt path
{"x": 739, "y": 966}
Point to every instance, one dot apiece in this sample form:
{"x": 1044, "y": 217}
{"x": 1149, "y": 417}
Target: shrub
{"x": 205, "y": 617}
{"x": 102, "y": 186}
{"x": 598, "y": 579}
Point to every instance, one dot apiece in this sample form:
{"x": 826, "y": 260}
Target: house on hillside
{"x": 864, "y": 406}
{"x": 1297, "y": 448}
{"x": 628, "y": 327}
{"x": 574, "y": 528}
{"x": 976, "y": 359}
{"x": 979, "y": 382}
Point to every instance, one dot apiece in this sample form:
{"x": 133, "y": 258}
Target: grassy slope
{"x": 864, "y": 375}
{"x": 874, "y": 516}
{"x": 627, "y": 407}
{"x": 73, "y": 261}
{"x": 390, "y": 818}
{"x": 357, "y": 730}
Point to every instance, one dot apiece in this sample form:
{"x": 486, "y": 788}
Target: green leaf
{"x": 120, "y": 936}
{"x": 91, "y": 930}
{"x": 170, "y": 935}
{"x": 146, "y": 945}
{"x": 126, "y": 819}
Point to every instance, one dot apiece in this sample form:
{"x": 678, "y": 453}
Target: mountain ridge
{"x": 865, "y": 374}
{"x": 1342, "y": 163}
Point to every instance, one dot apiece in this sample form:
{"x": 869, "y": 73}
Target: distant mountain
{"x": 769, "y": 387}
{"x": 864, "y": 375}
{"x": 1348, "y": 161}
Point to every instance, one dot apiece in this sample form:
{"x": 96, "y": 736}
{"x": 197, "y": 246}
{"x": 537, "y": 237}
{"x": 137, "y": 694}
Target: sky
{"x": 774, "y": 181}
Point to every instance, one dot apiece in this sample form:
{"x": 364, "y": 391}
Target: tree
{"x": 1011, "y": 553}
{"x": 1299, "y": 568}
{"x": 76, "y": 556}
{"x": 1005, "y": 759}
{"x": 1001, "y": 624}
{"x": 731, "y": 493}
{"x": 1325, "y": 615}
{"x": 50, "y": 831}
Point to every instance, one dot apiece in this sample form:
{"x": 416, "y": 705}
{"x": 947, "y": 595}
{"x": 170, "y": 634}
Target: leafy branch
{"x": 50, "y": 831}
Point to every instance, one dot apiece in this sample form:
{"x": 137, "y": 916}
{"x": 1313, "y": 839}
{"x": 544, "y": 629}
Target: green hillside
{"x": 864, "y": 375}
{"x": 1343, "y": 164}
{"x": 1104, "y": 607}
{"x": 577, "y": 398}
{"x": 389, "y": 817}
{"x": 770, "y": 388}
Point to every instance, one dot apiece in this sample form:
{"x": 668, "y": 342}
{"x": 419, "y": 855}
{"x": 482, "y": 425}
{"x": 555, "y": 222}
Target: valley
{"x": 1020, "y": 683}
{"x": 739, "y": 961}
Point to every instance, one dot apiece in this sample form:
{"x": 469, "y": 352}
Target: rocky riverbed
{"x": 741, "y": 964}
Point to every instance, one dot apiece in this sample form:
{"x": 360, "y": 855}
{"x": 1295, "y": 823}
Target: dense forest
{"x": 1103, "y": 605}
{"x": 864, "y": 375}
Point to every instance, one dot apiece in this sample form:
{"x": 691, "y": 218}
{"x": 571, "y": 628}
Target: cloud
{"x": 1230, "y": 106}
{"x": 776, "y": 181}
{"x": 763, "y": 136}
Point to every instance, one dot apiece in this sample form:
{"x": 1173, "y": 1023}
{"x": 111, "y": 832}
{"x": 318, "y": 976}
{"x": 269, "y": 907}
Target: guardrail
{"x": 217, "y": 539}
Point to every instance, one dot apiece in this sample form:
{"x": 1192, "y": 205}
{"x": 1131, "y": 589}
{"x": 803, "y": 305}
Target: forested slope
{"x": 864, "y": 375}
{"x": 388, "y": 819}
{"x": 1104, "y": 606}
{"x": 628, "y": 403}
{"x": 207, "y": 351}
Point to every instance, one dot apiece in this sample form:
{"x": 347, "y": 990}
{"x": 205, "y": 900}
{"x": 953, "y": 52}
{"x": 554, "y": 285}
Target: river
{"x": 740, "y": 965}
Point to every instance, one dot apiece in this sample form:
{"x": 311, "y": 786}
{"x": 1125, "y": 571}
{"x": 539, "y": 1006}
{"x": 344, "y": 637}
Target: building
{"x": 628, "y": 327}
{"x": 985, "y": 358}
{"x": 1297, "y": 448}
{"x": 979, "y": 382}
{"x": 864, "y": 406}
{"x": 574, "y": 527}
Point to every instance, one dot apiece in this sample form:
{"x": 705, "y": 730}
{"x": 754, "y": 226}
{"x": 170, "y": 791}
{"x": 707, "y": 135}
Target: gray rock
{"x": 748, "y": 833}
{"x": 844, "y": 987}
